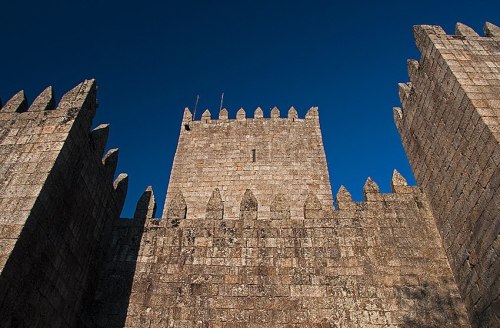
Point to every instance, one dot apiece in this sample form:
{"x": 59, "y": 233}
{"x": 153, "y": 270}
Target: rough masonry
{"x": 58, "y": 203}
{"x": 249, "y": 235}
{"x": 450, "y": 127}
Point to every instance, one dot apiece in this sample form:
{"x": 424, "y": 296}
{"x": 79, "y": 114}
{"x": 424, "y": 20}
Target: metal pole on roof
{"x": 221, "y": 101}
{"x": 195, "y": 106}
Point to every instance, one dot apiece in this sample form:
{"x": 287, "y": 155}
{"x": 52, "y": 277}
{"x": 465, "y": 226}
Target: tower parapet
{"x": 241, "y": 116}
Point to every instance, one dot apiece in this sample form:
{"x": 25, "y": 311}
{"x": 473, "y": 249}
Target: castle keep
{"x": 250, "y": 235}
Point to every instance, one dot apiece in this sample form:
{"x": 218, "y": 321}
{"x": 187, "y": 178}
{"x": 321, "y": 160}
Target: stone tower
{"x": 450, "y": 128}
{"x": 58, "y": 203}
{"x": 272, "y": 160}
{"x": 249, "y": 235}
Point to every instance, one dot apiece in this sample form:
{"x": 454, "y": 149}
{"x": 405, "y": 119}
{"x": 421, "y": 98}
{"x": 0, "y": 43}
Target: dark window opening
{"x": 186, "y": 127}
{"x": 253, "y": 155}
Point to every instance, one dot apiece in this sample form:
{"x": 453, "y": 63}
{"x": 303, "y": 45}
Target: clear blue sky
{"x": 152, "y": 59}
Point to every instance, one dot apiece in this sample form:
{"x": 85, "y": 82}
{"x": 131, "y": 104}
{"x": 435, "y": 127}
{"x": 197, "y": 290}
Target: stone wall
{"x": 57, "y": 203}
{"x": 247, "y": 242}
{"x": 450, "y": 128}
{"x": 377, "y": 263}
{"x": 249, "y": 235}
{"x": 114, "y": 283}
{"x": 274, "y": 157}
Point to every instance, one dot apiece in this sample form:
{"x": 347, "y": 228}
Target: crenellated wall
{"x": 57, "y": 204}
{"x": 249, "y": 235}
{"x": 244, "y": 243}
{"x": 377, "y": 263}
{"x": 450, "y": 128}
{"x": 269, "y": 156}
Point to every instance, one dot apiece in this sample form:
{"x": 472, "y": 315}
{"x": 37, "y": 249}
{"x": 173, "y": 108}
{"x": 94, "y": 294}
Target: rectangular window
{"x": 253, "y": 155}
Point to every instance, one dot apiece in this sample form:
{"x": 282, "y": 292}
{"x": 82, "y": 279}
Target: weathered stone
{"x": 249, "y": 236}
{"x": 187, "y": 116}
{"x": 398, "y": 183}
{"x": 176, "y": 208}
{"x": 260, "y": 243}
{"x": 57, "y": 207}
{"x": 215, "y": 206}
{"x": 17, "y": 103}
{"x": 146, "y": 205}
{"x": 449, "y": 128}
{"x": 280, "y": 207}
{"x": 206, "y": 116}
{"x": 223, "y": 114}
{"x": 110, "y": 161}
{"x": 44, "y": 101}
{"x": 491, "y": 30}
{"x": 275, "y": 112}
{"x": 240, "y": 114}
{"x": 464, "y": 30}
{"x": 292, "y": 113}
{"x": 258, "y": 113}
{"x": 99, "y": 137}
{"x": 344, "y": 199}
{"x": 249, "y": 202}
{"x": 371, "y": 190}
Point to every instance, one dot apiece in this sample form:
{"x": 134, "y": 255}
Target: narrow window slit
{"x": 253, "y": 155}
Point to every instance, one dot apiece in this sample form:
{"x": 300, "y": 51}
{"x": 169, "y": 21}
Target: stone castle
{"x": 250, "y": 235}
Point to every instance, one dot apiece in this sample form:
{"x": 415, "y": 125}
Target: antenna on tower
{"x": 195, "y": 106}
{"x": 221, "y": 101}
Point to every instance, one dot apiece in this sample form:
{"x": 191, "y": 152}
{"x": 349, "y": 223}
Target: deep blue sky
{"x": 152, "y": 59}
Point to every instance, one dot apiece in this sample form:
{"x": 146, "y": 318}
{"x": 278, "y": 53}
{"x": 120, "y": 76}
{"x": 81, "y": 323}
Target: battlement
{"x": 264, "y": 155}
{"x": 450, "y": 128}
{"x": 427, "y": 35}
{"x": 458, "y": 61}
{"x": 279, "y": 208}
{"x": 372, "y": 194}
{"x": 250, "y": 234}
{"x": 267, "y": 269}
{"x": 80, "y": 98}
{"x": 312, "y": 115}
{"x": 58, "y": 197}
{"x": 48, "y": 124}
{"x": 144, "y": 215}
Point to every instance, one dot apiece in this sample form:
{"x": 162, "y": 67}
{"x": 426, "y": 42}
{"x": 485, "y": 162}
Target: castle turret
{"x": 58, "y": 200}
{"x": 449, "y": 126}
{"x": 267, "y": 156}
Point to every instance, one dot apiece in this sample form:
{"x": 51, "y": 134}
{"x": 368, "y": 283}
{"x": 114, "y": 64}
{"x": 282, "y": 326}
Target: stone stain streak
{"x": 249, "y": 235}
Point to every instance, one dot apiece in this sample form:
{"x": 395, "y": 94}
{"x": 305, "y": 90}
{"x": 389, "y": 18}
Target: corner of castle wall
{"x": 66, "y": 185}
{"x": 449, "y": 128}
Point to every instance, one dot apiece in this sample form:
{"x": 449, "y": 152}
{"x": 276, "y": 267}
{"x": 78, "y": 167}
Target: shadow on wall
{"x": 58, "y": 204}
{"x": 111, "y": 300}
{"x": 433, "y": 304}
{"x": 114, "y": 287}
